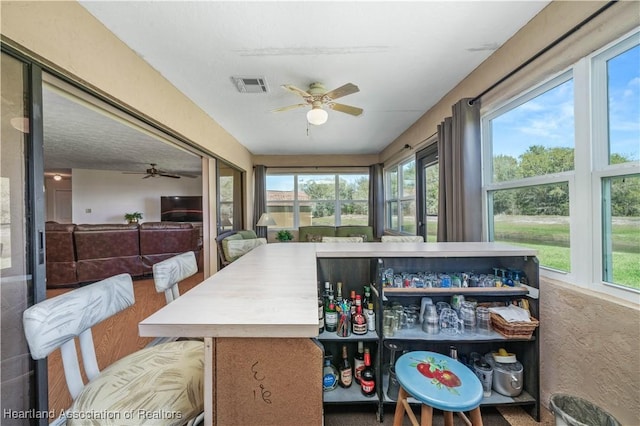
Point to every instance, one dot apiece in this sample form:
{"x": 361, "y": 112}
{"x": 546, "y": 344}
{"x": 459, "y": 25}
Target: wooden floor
{"x": 115, "y": 337}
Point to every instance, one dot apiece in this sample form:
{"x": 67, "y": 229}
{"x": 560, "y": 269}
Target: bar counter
{"x": 263, "y": 307}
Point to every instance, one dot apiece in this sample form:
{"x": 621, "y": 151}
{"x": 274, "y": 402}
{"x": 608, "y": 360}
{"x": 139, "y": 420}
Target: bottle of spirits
{"x": 371, "y": 317}
{"x": 353, "y": 302}
{"x": 329, "y": 375}
{"x": 330, "y": 315}
{"x": 366, "y": 298}
{"x": 320, "y": 313}
{"x": 359, "y": 322}
{"x": 368, "y": 378}
{"x": 346, "y": 372}
{"x": 339, "y": 292}
{"x": 358, "y": 362}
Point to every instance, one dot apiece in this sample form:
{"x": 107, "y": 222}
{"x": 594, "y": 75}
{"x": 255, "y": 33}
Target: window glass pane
{"x": 621, "y": 229}
{"x": 354, "y": 187}
{"x": 280, "y": 197}
{"x": 535, "y": 217}
{"x": 535, "y": 138}
{"x": 409, "y": 179}
{"x": 408, "y": 216}
{"x": 354, "y": 213}
{"x": 392, "y": 215}
{"x": 431, "y": 177}
{"x": 317, "y": 187}
{"x": 318, "y": 213}
{"x": 392, "y": 184}
{"x": 623, "y": 88}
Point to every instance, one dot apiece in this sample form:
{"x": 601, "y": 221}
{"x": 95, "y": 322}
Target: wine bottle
{"x": 346, "y": 372}
{"x": 366, "y": 298}
{"x": 329, "y": 375}
{"x": 359, "y": 322}
{"x": 358, "y": 362}
{"x": 368, "y": 378}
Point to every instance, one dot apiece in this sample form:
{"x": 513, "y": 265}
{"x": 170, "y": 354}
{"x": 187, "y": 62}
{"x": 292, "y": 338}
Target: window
{"x": 301, "y": 199}
{"x": 531, "y": 143}
{"x": 563, "y": 173}
{"x": 400, "y": 184}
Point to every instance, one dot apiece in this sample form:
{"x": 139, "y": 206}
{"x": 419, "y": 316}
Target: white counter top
{"x": 272, "y": 290}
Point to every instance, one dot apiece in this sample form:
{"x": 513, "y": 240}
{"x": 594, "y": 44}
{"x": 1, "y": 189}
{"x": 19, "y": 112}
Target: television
{"x": 181, "y": 208}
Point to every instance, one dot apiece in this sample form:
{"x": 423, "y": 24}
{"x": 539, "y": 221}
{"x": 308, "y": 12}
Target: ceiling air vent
{"x": 250, "y": 84}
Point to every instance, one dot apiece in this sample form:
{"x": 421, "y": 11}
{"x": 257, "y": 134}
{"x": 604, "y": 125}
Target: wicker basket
{"x": 513, "y": 330}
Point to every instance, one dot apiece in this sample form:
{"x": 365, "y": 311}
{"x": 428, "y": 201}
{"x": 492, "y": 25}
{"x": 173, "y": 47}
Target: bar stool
{"x": 436, "y": 381}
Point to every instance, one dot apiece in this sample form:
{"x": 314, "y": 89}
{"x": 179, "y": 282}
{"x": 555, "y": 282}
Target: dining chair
{"x": 162, "y": 384}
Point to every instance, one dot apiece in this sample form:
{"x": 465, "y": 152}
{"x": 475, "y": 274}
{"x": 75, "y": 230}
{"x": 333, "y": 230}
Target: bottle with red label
{"x": 346, "y": 372}
{"x": 368, "y": 378}
{"x": 358, "y": 362}
{"x": 359, "y": 322}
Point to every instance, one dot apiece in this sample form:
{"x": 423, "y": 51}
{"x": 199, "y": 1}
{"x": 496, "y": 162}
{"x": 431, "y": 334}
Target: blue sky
{"x": 548, "y": 119}
{"x": 285, "y": 182}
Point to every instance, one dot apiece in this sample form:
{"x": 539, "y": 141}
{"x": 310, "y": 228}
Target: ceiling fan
{"x": 153, "y": 172}
{"x": 317, "y": 96}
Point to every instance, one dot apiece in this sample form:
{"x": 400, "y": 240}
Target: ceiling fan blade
{"x": 147, "y": 176}
{"x": 295, "y": 90}
{"x": 348, "y": 109}
{"x": 168, "y": 175}
{"x": 290, "y": 107}
{"x": 345, "y": 90}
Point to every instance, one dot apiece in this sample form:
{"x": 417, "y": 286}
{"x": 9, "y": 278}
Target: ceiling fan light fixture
{"x": 57, "y": 177}
{"x": 317, "y": 116}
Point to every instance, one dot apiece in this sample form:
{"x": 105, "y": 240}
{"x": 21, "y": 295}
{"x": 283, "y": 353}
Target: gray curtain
{"x": 376, "y": 199}
{"x": 459, "y": 150}
{"x": 259, "y": 199}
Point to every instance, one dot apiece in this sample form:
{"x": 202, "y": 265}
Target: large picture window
{"x": 300, "y": 199}
{"x": 563, "y": 173}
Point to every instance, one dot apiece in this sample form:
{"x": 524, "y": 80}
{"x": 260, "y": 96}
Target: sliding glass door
{"x": 22, "y": 272}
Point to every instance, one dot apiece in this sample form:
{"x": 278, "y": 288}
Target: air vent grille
{"x": 250, "y": 84}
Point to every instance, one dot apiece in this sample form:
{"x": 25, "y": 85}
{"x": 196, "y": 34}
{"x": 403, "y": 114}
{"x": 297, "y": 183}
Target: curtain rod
{"x": 545, "y": 50}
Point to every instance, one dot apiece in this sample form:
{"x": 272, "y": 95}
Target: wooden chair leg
{"x": 426, "y": 415}
{"x": 448, "y": 418}
{"x": 398, "y": 417}
{"x": 476, "y": 417}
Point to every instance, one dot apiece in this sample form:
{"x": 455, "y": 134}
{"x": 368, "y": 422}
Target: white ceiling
{"x": 404, "y": 56}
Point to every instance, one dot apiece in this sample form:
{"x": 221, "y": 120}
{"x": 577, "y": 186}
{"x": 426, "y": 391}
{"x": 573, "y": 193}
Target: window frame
{"x": 398, "y": 197}
{"x": 591, "y": 167}
{"x": 337, "y": 201}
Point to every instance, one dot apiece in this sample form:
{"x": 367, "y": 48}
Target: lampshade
{"x": 317, "y": 116}
{"x": 266, "y": 220}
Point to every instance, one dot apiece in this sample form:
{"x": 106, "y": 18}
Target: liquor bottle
{"x": 371, "y": 317}
{"x": 358, "y": 362}
{"x": 329, "y": 375}
{"x": 330, "y": 316}
{"x": 339, "y": 292}
{"x": 353, "y": 302}
{"x": 366, "y": 298}
{"x": 320, "y": 313}
{"x": 368, "y": 378}
{"x": 359, "y": 322}
{"x": 346, "y": 372}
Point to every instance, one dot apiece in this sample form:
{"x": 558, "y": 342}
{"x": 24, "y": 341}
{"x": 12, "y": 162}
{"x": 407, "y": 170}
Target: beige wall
{"x": 590, "y": 347}
{"x": 315, "y": 160}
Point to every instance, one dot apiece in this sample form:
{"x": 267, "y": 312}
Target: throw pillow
{"x": 342, "y": 239}
{"x": 363, "y": 236}
{"x": 238, "y": 248}
{"x": 247, "y": 234}
{"x": 314, "y": 238}
{"x": 225, "y": 245}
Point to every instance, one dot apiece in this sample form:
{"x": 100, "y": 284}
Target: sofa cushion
{"x": 314, "y": 238}
{"x": 225, "y": 245}
{"x": 238, "y": 248}
{"x": 402, "y": 239}
{"x": 328, "y": 231}
{"x": 342, "y": 239}
{"x": 349, "y": 231}
{"x": 247, "y": 234}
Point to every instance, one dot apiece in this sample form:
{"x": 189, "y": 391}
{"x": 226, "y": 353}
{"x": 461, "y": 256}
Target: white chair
{"x": 166, "y": 276}
{"x": 402, "y": 239}
{"x": 168, "y": 273}
{"x": 162, "y": 384}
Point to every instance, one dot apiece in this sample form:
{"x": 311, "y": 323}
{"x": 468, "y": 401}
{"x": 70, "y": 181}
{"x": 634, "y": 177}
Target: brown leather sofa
{"x": 87, "y": 253}
{"x": 60, "y": 254}
{"x": 107, "y": 250}
{"x": 162, "y": 240}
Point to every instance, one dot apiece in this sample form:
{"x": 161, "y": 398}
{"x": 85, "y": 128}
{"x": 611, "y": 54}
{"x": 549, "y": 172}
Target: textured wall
{"x": 590, "y": 347}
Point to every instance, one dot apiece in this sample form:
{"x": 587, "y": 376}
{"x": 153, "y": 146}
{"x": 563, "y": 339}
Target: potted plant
{"x": 133, "y": 217}
{"x": 284, "y": 235}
